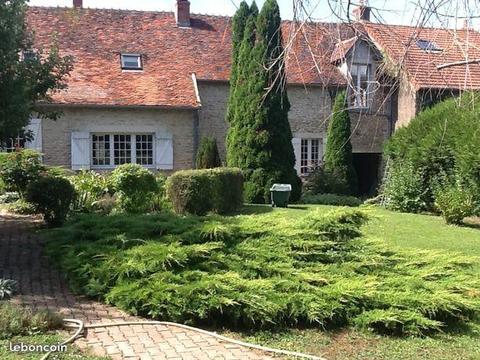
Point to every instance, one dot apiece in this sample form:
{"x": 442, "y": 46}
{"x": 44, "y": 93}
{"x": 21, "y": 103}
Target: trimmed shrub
{"x": 52, "y": 197}
{"x": 331, "y": 199}
{"x": 135, "y": 188}
{"x": 454, "y": 203}
{"x": 207, "y": 155}
{"x": 200, "y": 191}
{"x": 90, "y": 188}
{"x": 18, "y": 169}
{"x": 440, "y": 141}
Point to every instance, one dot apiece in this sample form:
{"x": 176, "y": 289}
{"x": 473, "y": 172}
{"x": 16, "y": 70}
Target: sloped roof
{"x": 342, "y": 48}
{"x": 399, "y": 43}
{"x": 97, "y": 37}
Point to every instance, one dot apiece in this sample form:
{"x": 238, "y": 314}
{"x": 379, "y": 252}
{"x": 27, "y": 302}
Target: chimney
{"x": 362, "y": 12}
{"x": 77, "y": 3}
{"x": 182, "y": 13}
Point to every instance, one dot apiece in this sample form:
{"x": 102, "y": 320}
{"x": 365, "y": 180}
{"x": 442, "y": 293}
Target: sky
{"x": 386, "y": 11}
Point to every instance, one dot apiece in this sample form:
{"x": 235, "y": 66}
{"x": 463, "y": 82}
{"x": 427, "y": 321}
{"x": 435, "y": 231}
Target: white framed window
{"x": 310, "y": 155}
{"x": 361, "y": 77}
{"x": 13, "y": 144}
{"x": 131, "y": 61}
{"x": 110, "y": 150}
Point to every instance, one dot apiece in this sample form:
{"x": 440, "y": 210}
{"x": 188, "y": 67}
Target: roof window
{"x": 131, "y": 61}
{"x": 428, "y": 46}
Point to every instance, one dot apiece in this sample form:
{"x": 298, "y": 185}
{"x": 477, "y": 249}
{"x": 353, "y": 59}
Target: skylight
{"x": 429, "y": 46}
{"x": 131, "y": 61}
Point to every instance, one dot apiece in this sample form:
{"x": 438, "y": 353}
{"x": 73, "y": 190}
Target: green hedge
{"x": 200, "y": 191}
{"x": 331, "y": 199}
{"x": 440, "y": 145}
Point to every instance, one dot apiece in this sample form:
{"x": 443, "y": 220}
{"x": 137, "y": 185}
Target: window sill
{"x": 360, "y": 109}
{"x": 113, "y": 167}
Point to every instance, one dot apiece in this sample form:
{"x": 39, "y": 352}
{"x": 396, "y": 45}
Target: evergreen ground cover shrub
{"x": 441, "y": 141}
{"x": 265, "y": 271}
{"x": 199, "y": 191}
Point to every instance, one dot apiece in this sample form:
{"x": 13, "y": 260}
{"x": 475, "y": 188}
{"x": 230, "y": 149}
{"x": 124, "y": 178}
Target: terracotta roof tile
{"x": 400, "y": 45}
{"x": 97, "y": 37}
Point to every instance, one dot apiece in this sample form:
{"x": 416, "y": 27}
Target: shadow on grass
{"x": 252, "y": 209}
{"x": 472, "y": 222}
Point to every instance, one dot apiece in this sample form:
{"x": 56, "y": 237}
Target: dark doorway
{"x": 367, "y": 166}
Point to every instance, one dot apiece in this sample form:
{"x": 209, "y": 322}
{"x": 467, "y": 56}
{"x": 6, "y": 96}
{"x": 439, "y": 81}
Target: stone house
{"x": 147, "y": 86}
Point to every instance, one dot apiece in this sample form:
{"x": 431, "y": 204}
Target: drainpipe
{"x": 196, "y": 120}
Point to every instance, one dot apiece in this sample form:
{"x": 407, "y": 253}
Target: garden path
{"x": 40, "y": 286}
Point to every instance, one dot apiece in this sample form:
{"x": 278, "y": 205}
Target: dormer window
{"x": 428, "y": 46}
{"x": 361, "y": 78}
{"x": 131, "y": 61}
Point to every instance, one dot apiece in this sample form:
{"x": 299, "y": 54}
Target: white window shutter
{"x": 163, "y": 151}
{"x": 297, "y": 148}
{"x": 35, "y": 128}
{"x": 80, "y": 150}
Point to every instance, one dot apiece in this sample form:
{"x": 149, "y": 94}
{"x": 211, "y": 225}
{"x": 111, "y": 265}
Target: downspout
{"x": 196, "y": 120}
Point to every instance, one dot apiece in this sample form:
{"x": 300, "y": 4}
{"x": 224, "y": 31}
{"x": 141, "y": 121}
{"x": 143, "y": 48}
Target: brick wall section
{"x": 179, "y": 123}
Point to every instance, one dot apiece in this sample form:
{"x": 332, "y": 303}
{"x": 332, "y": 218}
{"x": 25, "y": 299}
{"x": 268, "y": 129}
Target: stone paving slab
{"x": 41, "y": 286}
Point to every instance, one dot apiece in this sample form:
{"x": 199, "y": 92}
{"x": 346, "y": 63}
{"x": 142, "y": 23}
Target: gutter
{"x": 114, "y": 106}
{"x": 196, "y": 120}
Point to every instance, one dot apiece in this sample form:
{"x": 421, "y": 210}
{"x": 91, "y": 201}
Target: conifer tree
{"x": 338, "y": 154}
{"x": 235, "y": 143}
{"x": 208, "y": 156}
{"x": 239, "y": 22}
{"x": 260, "y": 143}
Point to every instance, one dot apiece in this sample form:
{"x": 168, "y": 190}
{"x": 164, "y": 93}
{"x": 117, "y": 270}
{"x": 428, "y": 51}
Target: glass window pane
{"x": 100, "y": 149}
{"x": 144, "y": 149}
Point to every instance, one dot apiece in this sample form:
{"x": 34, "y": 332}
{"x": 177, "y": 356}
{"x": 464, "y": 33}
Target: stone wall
{"x": 57, "y": 134}
{"x": 309, "y": 115}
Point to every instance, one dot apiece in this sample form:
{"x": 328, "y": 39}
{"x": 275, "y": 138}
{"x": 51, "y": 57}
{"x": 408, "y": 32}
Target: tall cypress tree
{"x": 238, "y": 93}
{"x": 281, "y": 162}
{"x": 239, "y": 22}
{"x": 338, "y": 153}
{"x": 268, "y": 153}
